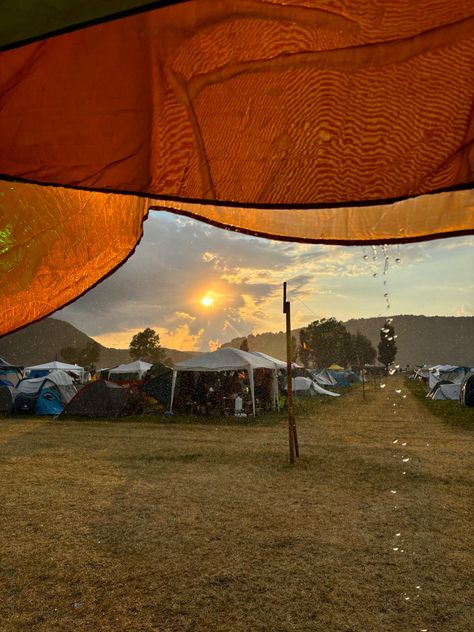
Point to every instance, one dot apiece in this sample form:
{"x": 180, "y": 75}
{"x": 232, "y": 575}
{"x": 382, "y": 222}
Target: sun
{"x": 207, "y": 301}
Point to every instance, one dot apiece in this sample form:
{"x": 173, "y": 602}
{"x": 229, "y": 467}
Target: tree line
{"x": 323, "y": 342}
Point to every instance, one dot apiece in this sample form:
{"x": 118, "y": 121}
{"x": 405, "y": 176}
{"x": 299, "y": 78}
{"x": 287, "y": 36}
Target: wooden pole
{"x": 292, "y": 436}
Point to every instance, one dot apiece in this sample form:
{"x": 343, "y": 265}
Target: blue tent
{"x": 44, "y": 395}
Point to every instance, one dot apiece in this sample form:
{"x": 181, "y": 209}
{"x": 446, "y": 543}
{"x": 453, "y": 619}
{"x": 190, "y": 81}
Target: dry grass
{"x": 148, "y": 526}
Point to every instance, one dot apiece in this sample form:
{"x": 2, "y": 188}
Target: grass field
{"x": 141, "y": 525}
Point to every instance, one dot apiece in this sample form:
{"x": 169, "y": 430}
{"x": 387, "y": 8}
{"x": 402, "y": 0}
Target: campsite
{"x": 142, "y": 524}
{"x": 236, "y": 316}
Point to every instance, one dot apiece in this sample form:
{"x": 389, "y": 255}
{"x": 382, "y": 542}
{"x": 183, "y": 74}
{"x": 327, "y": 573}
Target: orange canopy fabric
{"x": 295, "y": 119}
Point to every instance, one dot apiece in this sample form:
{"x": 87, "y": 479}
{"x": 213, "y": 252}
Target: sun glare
{"x": 207, "y": 301}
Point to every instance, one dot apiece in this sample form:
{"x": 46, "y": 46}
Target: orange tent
{"x": 347, "y": 122}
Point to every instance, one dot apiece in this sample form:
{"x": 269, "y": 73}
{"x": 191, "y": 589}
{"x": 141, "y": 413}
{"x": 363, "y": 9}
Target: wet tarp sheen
{"x": 349, "y": 122}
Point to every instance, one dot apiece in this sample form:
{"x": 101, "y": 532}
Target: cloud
{"x": 178, "y": 261}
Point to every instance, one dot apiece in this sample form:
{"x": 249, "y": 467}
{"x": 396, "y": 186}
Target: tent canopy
{"x": 281, "y": 119}
{"x": 138, "y": 367}
{"x": 227, "y": 359}
{"x": 55, "y": 366}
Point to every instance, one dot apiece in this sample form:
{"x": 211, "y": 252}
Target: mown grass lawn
{"x": 142, "y": 525}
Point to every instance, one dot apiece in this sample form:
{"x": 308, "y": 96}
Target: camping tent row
{"x": 42, "y": 370}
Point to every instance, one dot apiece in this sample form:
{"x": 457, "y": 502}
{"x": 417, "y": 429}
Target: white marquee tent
{"x": 124, "y": 371}
{"x": 226, "y": 359}
{"x": 58, "y": 366}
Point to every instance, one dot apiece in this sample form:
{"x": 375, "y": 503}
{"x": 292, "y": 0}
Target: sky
{"x": 181, "y": 261}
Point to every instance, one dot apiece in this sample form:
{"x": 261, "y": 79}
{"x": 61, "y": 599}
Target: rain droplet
{"x": 404, "y": 397}
{"x": 407, "y": 598}
{"x": 404, "y": 444}
{"x": 397, "y": 535}
{"x": 404, "y": 473}
{"x": 394, "y": 405}
{"x": 418, "y": 587}
{"x": 374, "y": 274}
{"x": 406, "y": 460}
{"x": 397, "y": 259}
{"x": 386, "y": 294}
{"x": 398, "y": 390}
{"x": 396, "y": 441}
{"x": 365, "y": 257}
{"x": 391, "y": 371}
{"x": 382, "y": 386}
{"x": 395, "y": 548}
{"x": 393, "y": 491}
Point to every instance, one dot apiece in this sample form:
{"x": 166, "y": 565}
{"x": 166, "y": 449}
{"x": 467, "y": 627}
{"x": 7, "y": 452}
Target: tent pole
{"x": 173, "y": 384}
{"x": 252, "y": 388}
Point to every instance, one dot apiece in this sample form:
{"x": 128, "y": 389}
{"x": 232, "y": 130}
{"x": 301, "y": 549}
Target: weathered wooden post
{"x": 292, "y": 436}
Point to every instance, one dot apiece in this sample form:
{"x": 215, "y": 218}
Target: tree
{"x": 86, "y": 357}
{"x": 146, "y": 346}
{"x": 325, "y": 342}
{"x": 387, "y": 347}
{"x": 363, "y": 351}
{"x": 244, "y": 345}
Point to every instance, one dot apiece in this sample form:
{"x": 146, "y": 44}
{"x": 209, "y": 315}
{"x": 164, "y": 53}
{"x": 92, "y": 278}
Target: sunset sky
{"x": 179, "y": 262}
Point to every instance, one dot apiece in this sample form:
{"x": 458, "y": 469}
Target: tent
{"x": 307, "y": 386}
{"x": 279, "y": 119}
{"x": 103, "y": 399}
{"x": 341, "y": 379}
{"x": 10, "y": 374}
{"x": 40, "y": 370}
{"x": 336, "y": 367}
{"x": 323, "y": 377}
{"x": 158, "y": 384}
{"x": 467, "y": 390}
{"x": 131, "y": 371}
{"x": 226, "y": 359}
{"x": 44, "y": 395}
{"x": 7, "y": 398}
{"x": 446, "y": 373}
{"x": 445, "y": 390}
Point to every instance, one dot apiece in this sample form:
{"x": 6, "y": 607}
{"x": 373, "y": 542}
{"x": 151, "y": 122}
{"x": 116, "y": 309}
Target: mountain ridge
{"x": 420, "y": 340}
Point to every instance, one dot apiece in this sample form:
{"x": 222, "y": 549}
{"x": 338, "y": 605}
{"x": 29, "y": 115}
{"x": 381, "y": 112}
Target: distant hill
{"x": 420, "y": 339}
{"x": 42, "y": 342}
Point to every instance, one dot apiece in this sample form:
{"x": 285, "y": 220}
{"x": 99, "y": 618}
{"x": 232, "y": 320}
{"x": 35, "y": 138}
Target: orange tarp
{"x": 326, "y": 122}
